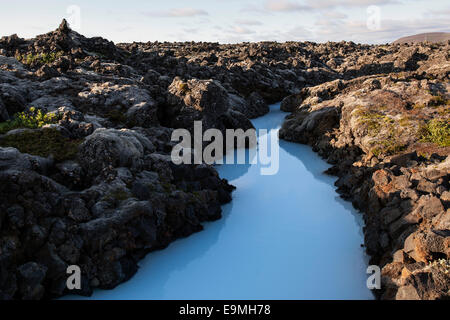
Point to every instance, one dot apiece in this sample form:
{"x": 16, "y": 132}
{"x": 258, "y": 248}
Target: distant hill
{"x": 430, "y": 37}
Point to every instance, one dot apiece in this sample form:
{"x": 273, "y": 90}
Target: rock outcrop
{"x": 388, "y": 138}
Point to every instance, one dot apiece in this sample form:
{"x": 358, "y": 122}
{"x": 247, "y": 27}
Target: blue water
{"x": 284, "y": 236}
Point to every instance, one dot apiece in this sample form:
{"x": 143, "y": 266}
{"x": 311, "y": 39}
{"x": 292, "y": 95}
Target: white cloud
{"x": 335, "y": 15}
{"x": 316, "y": 5}
{"x": 248, "y": 22}
{"x": 296, "y": 33}
{"x": 357, "y": 31}
{"x": 284, "y": 6}
{"x": 177, "y": 13}
{"x": 242, "y": 30}
{"x": 325, "y": 4}
{"x": 438, "y": 13}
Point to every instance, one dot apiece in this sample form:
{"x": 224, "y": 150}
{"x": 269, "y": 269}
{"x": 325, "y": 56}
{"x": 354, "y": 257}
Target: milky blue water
{"x": 284, "y": 236}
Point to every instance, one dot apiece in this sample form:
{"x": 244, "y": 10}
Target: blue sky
{"x": 230, "y": 21}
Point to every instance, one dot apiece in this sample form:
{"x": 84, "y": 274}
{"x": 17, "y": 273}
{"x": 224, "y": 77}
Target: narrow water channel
{"x": 284, "y": 236}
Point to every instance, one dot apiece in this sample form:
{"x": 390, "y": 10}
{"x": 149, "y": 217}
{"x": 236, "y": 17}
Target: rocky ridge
{"x": 388, "y": 138}
{"x": 85, "y": 170}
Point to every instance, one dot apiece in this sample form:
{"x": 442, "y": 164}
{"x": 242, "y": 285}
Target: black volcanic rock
{"x": 64, "y": 27}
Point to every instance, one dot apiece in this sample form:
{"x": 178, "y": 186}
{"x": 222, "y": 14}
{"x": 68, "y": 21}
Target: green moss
{"x": 43, "y": 143}
{"x": 388, "y": 147}
{"x": 436, "y": 131}
{"x": 389, "y": 143}
{"x": 183, "y": 87}
{"x": 42, "y": 58}
{"x": 374, "y": 121}
{"x": 32, "y": 119}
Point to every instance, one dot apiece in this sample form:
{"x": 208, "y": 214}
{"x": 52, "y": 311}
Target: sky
{"x": 229, "y": 21}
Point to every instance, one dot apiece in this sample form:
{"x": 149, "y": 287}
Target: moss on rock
{"x": 40, "y": 58}
{"x": 31, "y": 119}
{"x": 44, "y": 143}
{"x": 436, "y": 131}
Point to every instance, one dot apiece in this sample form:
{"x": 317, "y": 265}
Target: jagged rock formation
{"x": 85, "y": 171}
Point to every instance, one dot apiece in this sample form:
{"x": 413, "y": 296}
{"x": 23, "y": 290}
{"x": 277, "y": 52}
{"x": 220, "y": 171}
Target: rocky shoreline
{"x": 86, "y": 176}
{"x": 388, "y": 138}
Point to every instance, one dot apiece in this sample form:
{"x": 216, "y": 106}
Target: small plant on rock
{"x": 42, "y": 58}
{"x": 184, "y": 87}
{"x": 31, "y": 119}
{"x": 436, "y": 131}
{"x": 374, "y": 121}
